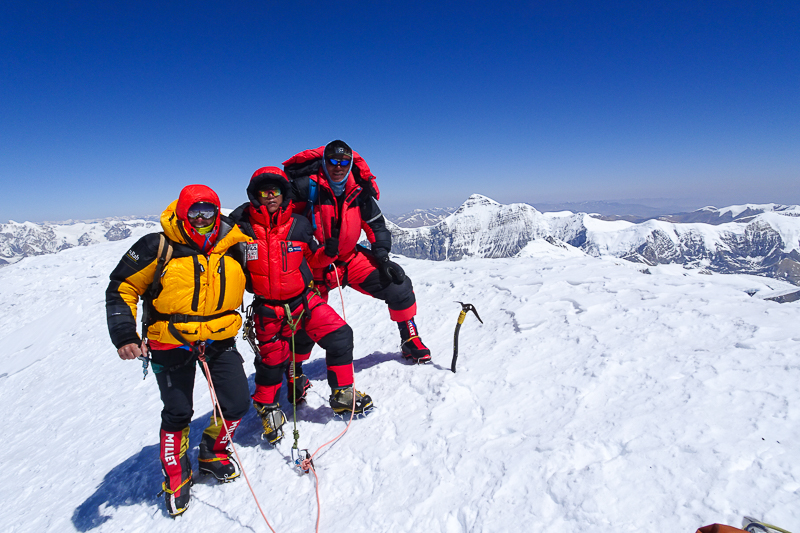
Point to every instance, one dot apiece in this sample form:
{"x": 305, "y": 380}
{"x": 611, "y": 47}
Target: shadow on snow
{"x": 138, "y": 479}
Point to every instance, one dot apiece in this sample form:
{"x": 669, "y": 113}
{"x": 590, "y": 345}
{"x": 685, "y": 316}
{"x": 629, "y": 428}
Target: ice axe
{"x": 465, "y": 308}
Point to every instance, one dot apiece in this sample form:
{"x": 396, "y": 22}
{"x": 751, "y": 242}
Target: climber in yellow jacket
{"x": 190, "y": 313}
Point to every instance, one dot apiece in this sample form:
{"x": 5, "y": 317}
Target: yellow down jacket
{"x": 199, "y": 292}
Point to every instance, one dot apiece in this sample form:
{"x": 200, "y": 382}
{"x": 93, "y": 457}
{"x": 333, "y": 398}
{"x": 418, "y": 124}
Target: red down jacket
{"x": 356, "y": 210}
{"x": 277, "y": 263}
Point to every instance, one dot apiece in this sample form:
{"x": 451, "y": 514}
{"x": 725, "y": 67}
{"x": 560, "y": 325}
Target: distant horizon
{"x": 623, "y": 202}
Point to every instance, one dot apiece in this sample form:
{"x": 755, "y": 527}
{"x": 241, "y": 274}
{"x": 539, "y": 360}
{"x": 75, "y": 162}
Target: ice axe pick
{"x": 465, "y": 308}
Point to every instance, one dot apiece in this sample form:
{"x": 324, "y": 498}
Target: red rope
{"x": 341, "y": 296}
{"x": 308, "y": 464}
{"x": 213, "y": 394}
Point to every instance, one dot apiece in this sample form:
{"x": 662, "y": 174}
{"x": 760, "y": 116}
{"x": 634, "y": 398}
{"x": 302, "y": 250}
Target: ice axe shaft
{"x": 465, "y": 308}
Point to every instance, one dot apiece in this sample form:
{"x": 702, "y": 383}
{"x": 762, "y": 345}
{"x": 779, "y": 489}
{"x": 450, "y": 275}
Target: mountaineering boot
{"x": 411, "y": 343}
{"x": 297, "y": 383}
{"x": 342, "y": 401}
{"x": 273, "y": 419}
{"x": 177, "y": 470}
{"x": 215, "y": 457}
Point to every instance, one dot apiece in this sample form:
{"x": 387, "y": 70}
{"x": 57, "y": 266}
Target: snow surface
{"x": 594, "y": 397}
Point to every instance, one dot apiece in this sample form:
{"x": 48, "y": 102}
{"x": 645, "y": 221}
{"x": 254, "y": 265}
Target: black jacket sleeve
{"x": 302, "y": 231}
{"x": 298, "y": 192}
{"x": 129, "y": 280}
{"x": 372, "y": 217}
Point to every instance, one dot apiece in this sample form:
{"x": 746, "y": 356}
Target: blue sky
{"x": 111, "y": 109}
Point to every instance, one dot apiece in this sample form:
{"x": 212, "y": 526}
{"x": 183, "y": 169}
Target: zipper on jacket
{"x": 198, "y": 270}
{"x": 284, "y": 255}
{"x": 221, "y": 271}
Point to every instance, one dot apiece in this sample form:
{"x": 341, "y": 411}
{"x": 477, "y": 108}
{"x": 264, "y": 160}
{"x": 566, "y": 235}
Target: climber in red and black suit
{"x": 333, "y": 186}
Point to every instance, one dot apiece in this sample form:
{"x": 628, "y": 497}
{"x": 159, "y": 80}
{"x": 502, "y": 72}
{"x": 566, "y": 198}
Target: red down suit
{"x": 278, "y": 267}
{"x": 355, "y": 209}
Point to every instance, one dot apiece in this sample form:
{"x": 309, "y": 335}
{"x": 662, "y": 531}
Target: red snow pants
{"x": 318, "y": 322}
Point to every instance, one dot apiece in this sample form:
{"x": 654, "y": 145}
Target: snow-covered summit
{"x": 594, "y": 397}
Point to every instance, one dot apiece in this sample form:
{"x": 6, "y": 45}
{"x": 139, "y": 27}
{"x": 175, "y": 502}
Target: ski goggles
{"x": 339, "y": 162}
{"x": 270, "y": 192}
{"x": 202, "y": 210}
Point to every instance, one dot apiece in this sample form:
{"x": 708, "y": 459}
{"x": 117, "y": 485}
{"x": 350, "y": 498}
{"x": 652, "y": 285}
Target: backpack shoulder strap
{"x": 164, "y": 255}
{"x": 313, "y": 192}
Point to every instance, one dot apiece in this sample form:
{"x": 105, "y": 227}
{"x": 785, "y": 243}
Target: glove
{"x": 332, "y": 247}
{"x": 332, "y": 242}
{"x": 388, "y": 269}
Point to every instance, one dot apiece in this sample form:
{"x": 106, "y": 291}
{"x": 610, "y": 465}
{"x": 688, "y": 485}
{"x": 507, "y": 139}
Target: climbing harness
{"x": 249, "y": 330}
{"x": 465, "y": 308}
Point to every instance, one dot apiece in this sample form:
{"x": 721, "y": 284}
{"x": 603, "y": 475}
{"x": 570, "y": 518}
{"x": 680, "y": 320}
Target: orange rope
{"x": 230, "y": 439}
{"x": 307, "y": 464}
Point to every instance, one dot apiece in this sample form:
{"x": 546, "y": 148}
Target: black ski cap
{"x": 338, "y": 148}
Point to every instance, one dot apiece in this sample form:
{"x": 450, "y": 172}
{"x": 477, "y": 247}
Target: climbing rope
{"x": 293, "y": 325}
{"x": 201, "y": 356}
{"x": 307, "y": 464}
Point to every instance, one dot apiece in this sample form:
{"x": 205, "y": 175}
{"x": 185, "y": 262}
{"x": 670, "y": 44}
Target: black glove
{"x": 332, "y": 247}
{"x": 332, "y": 242}
{"x": 388, "y": 269}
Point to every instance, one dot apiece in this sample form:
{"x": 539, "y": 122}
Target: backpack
{"x": 311, "y": 162}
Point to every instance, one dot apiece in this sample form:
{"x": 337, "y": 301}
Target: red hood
{"x": 190, "y": 195}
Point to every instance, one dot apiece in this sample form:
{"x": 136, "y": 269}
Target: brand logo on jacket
{"x": 294, "y": 249}
{"x": 252, "y": 251}
{"x": 133, "y": 255}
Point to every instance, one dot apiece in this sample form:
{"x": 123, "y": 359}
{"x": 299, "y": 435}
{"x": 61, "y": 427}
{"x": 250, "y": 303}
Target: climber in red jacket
{"x": 278, "y": 268}
{"x": 333, "y": 186}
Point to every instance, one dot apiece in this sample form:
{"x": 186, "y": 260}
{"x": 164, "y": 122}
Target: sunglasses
{"x": 206, "y": 211}
{"x": 269, "y": 193}
{"x": 339, "y": 162}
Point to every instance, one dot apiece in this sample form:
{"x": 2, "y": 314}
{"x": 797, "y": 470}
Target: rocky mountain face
{"x": 759, "y": 239}
{"x": 762, "y": 240}
{"x": 421, "y": 217}
{"x": 20, "y": 240}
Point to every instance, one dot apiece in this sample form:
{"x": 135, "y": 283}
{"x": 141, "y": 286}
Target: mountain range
{"x": 25, "y": 239}
{"x": 751, "y": 239}
{"x": 761, "y": 239}
{"x": 421, "y": 217}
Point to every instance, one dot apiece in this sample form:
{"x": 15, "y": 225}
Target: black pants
{"x": 175, "y": 372}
